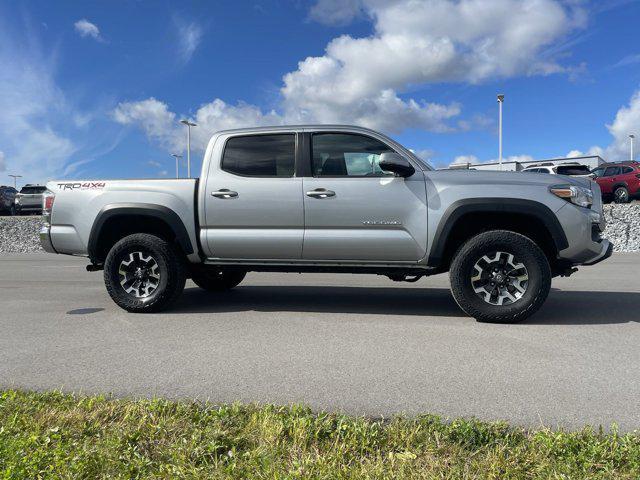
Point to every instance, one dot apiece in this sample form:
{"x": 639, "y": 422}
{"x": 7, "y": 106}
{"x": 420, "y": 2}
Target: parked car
{"x": 572, "y": 169}
{"x": 7, "y": 200}
{"x": 619, "y": 181}
{"x": 329, "y": 199}
{"x": 29, "y": 200}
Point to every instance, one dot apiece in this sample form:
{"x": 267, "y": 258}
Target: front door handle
{"x": 321, "y": 193}
{"x": 224, "y": 193}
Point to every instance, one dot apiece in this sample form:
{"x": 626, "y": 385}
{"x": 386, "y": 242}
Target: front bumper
{"x": 45, "y": 239}
{"x": 607, "y": 251}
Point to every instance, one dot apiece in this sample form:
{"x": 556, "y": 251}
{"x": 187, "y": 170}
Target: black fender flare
{"x": 148, "y": 210}
{"x": 492, "y": 205}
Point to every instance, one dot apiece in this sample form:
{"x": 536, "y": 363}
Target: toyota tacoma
{"x": 321, "y": 198}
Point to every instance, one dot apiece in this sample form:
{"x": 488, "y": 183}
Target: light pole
{"x": 14, "y": 179}
{"x": 500, "y": 102}
{"x": 631, "y": 138}
{"x": 176, "y": 156}
{"x": 189, "y": 125}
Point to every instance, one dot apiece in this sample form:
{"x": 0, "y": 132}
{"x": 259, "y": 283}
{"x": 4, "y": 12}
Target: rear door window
{"x": 260, "y": 155}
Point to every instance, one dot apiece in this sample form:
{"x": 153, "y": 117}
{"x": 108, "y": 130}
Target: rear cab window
{"x": 271, "y": 155}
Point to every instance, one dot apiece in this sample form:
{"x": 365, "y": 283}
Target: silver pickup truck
{"x": 320, "y": 198}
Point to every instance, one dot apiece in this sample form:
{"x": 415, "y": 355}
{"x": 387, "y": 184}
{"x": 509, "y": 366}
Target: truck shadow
{"x": 562, "y": 307}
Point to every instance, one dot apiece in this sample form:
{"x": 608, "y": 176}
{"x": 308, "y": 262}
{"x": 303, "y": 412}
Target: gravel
{"x": 20, "y": 234}
{"x": 623, "y": 226}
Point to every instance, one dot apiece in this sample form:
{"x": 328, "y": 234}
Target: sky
{"x": 96, "y": 89}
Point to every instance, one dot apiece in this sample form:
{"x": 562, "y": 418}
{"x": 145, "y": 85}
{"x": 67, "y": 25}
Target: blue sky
{"x": 96, "y": 89}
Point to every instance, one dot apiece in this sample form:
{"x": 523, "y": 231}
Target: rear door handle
{"x": 321, "y": 193}
{"x": 224, "y": 193}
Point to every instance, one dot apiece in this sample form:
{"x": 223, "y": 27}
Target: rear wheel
{"x": 144, "y": 273}
{"x": 217, "y": 279}
{"x": 500, "y": 276}
{"x": 621, "y": 195}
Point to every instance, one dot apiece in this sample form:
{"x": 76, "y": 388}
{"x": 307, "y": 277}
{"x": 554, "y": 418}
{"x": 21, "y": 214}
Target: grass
{"x": 54, "y": 435}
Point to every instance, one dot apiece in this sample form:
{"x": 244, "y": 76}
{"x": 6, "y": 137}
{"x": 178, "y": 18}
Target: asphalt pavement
{"x": 355, "y": 343}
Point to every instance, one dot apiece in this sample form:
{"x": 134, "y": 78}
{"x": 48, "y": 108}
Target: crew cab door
{"x": 354, "y": 211}
{"x": 253, "y": 204}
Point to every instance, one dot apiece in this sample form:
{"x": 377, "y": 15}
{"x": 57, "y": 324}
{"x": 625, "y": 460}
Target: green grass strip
{"x": 55, "y": 435}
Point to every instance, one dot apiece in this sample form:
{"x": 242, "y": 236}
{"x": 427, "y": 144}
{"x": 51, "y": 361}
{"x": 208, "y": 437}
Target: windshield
{"x": 573, "y": 170}
{"x": 32, "y": 190}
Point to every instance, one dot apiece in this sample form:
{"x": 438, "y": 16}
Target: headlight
{"x": 580, "y": 196}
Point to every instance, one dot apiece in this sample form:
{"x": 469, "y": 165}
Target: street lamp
{"x": 14, "y": 179}
{"x": 176, "y": 156}
{"x": 631, "y": 138}
{"x": 189, "y": 125}
{"x": 500, "y": 102}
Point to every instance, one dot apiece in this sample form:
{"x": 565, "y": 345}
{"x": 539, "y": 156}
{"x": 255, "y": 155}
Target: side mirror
{"x": 396, "y": 163}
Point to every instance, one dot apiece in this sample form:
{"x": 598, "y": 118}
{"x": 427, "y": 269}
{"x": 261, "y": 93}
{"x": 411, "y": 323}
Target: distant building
{"x": 590, "y": 161}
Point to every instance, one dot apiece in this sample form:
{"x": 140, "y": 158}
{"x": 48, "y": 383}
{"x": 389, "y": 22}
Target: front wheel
{"x": 621, "y": 195}
{"x": 217, "y": 280}
{"x": 500, "y": 276}
{"x": 144, "y": 273}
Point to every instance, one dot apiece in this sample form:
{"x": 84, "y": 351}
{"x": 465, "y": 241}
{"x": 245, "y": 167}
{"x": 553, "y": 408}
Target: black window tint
{"x": 32, "y": 190}
{"x": 573, "y": 170}
{"x": 627, "y": 170}
{"x": 260, "y": 155}
{"x": 340, "y": 154}
{"x": 611, "y": 171}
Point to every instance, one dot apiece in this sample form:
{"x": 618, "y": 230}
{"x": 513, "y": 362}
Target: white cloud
{"x": 336, "y": 12}
{"x": 626, "y": 121}
{"x": 34, "y": 112}
{"x": 154, "y": 118}
{"x": 359, "y": 80}
{"x": 365, "y": 81}
{"x": 162, "y": 125}
{"x": 189, "y": 37}
{"x": 87, "y": 29}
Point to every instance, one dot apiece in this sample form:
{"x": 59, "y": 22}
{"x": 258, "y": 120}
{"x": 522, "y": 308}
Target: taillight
{"x": 47, "y": 204}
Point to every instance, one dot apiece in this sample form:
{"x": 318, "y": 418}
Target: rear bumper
{"x": 45, "y": 239}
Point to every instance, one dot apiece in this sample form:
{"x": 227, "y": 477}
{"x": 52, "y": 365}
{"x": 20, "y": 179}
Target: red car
{"x": 619, "y": 181}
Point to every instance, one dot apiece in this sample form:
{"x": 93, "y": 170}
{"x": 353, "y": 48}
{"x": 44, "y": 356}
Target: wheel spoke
{"x": 499, "y": 278}
{"x": 139, "y": 274}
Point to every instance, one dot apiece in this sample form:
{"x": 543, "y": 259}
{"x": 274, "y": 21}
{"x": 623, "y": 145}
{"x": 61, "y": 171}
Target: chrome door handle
{"x": 321, "y": 193}
{"x": 224, "y": 193}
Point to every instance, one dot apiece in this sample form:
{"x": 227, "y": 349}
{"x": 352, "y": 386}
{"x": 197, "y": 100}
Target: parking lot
{"x": 361, "y": 344}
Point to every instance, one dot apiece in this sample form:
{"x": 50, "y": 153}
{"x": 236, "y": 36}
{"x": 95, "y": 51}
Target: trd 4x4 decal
{"x": 82, "y": 185}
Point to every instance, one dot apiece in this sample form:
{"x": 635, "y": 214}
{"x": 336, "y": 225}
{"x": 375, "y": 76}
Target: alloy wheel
{"x": 499, "y": 278}
{"x": 139, "y": 274}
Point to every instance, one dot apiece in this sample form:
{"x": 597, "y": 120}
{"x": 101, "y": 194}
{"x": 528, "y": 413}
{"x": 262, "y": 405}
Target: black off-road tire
{"x": 527, "y": 253}
{"x": 170, "y": 265}
{"x": 217, "y": 280}
{"x": 621, "y": 195}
